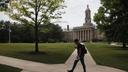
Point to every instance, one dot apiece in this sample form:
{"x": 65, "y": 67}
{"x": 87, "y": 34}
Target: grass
{"x": 50, "y": 53}
{"x": 105, "y": 54}
{"x": 4, "y": 68}
{"x": 55, "y": 53}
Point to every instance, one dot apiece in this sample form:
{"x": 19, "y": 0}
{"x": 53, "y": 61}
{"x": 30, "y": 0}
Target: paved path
{"x": 91, "y": 65}
{"x": 29, "y": 66}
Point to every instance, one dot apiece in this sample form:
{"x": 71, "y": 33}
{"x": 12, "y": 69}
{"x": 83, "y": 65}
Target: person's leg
{"x": 74, "y": 65}
{"x": 83, "y": 64}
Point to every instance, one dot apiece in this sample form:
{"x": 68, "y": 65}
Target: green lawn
{"x": 51, "y": 53}
{"x": 4, "y": 68}
{"x": 105, "y": 54}
{"x": 55, "y": 53}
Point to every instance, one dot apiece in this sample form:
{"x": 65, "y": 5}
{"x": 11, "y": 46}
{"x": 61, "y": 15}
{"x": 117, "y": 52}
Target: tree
{"x": 21, "y": 33}
{"x": 35, "y": 13}
{"x": 50, "y": 33}
{"x": 4, "y": 31}
{"x": 4, "y": 5}
{"x": 112, "y": 19}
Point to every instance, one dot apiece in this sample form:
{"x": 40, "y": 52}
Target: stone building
{"x": 87, "y": 32}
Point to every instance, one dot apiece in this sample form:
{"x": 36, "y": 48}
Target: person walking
{"x": 81, "y": 51}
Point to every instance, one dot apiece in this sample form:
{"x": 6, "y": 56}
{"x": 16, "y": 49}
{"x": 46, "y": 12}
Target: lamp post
{"x": 9, "y": 37}
{"x": 9, "y": 28}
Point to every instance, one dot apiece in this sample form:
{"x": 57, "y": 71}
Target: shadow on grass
{"x": 4, "y": 68}
{"x": 118, "y": 48}
{"x": 42, "y": 57}
{"x": 121, "y": 56}
{"x": 121, "y": 61}
{"x": 50, "y": 53}
{"x": 32, "y": 53}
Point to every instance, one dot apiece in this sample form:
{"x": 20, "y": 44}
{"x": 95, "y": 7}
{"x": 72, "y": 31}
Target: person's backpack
{"x": 84, "y": 49}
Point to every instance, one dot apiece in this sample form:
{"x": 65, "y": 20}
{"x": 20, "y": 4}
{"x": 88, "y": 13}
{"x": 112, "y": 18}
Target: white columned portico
{"x": 85, "y": 32}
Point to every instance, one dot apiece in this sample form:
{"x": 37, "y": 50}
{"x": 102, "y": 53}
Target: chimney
{"x": 67, "y": 27}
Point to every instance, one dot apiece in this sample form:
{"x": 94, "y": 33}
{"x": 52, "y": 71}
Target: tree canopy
{"x": 26, "y": 11}
{"x": 4, "y": 5}
{"x": 112, "y": 19}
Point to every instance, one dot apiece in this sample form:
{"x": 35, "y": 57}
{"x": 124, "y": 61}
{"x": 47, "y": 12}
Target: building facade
{"x": 87, "y": 32}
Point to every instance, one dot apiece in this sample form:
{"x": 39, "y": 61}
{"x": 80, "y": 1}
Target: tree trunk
{"x": 36, "y": 28}
{"x": 124, "y": 45}
{"x": 36, "y": 39}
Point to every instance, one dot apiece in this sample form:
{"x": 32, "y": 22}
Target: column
{"x": 75, "y": 34}
{"x": 72, "y": 35}
{"x": 88, "y": 35}
{"x": 84, "y": 35}
{"x": 91, "y": 35}
{"x": 79, "y": 35}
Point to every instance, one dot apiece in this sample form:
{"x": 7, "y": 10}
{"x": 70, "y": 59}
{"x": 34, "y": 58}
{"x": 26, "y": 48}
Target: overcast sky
{"x": 75, "y": 12}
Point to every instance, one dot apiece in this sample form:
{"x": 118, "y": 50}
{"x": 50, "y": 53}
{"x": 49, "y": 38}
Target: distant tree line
{"x": 25, "y": 32}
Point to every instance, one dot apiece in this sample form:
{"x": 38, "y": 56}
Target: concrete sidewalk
{"x": 29, "y": 66}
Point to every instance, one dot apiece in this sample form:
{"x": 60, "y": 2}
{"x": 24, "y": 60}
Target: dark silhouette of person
{"x": 81, "y": 51}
